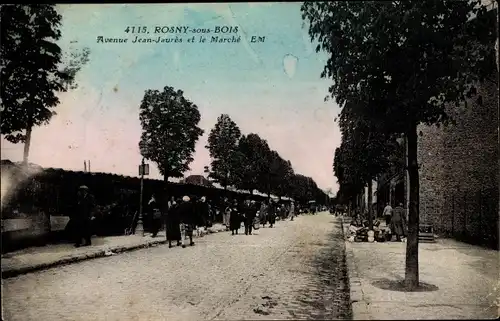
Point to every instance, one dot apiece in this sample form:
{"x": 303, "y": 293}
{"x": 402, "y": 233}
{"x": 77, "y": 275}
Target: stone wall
{"x": 32, "y": 229}
{"x": 459, "y": 170}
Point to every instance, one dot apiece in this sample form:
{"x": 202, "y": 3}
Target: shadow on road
{"x": 327, "y": 297}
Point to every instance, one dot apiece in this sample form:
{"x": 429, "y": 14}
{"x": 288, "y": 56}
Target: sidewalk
{"x": 44, "y": 257}
{"x": 461, "y": 281}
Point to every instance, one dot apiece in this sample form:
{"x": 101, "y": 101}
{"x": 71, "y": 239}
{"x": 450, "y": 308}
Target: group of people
{"x": 395, "y": 219}
{"x": 181, "y": 216}
{"x": 251, "y": 212}
{"x": 184, "y": 215}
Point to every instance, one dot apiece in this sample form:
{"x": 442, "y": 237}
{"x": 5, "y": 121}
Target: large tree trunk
{"x": 226, "y": 183}
{"x": 167, "y": 197}
{"x": 370, "y": 209}
{"x": 361, "y": 203}
{"x": 27, "y": 143}
{"x": 498, "y": 96}
{"x": 411, "y": 269}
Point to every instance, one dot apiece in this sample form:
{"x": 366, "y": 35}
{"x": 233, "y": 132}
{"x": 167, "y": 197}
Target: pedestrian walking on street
{"x": 263, "y": 213}
{"x": 250, "y": 213}
{"x": 204, "y": 212}
{"x": 188, "y": 220}
{"x": 83, "y": 219}
{"x": 387, "y": 214}
{"x": 156, "y": 216}
{"x": 172, "y": 223}
{"x": 398, "y": 222}
{"x": 292, "y": 211}
{"x": 226, "y": 214}
{"x": 211, "y": 214}
{"x": 271, "y": 212}
{"x": 234, "y": 218}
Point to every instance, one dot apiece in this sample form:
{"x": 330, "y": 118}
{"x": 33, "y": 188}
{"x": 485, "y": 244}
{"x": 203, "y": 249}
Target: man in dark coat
{"x": 271, "y": 213}
{"x": 263, "y": 213}
{"x": 172, "y": 223}
{"x": 204, "y": 212}
{"x": 83, "y": 219}
{"x": 398, "y": 222}
{"x": 234, "y": 217}
{"x": 156, "y": 215}
{"x": 250, "y": 213}
{"x": 187, "y": 217}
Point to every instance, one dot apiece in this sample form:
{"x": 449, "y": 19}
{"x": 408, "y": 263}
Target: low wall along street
{"x": 21, "y": 232}
{"x": 33, "y": 229}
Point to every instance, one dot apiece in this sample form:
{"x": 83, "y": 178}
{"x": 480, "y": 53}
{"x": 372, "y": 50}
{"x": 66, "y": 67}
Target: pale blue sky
{"x": 99, "y": 121}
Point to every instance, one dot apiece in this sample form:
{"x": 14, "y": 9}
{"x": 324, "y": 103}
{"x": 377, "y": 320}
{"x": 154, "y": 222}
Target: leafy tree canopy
{"x": 280, "y": 174}
{"x": 406, "y": 58}
{"x": 365, "y": 152}
{"x": 223, "y": 146}
{"x": 33, "y": 68}
{"x": 169, "y": 130}
{"x": 253, "y": 156}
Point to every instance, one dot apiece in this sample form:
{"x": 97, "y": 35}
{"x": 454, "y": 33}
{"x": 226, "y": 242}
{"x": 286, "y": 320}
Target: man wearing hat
{"x": 271, "y": 212}
{"x": 398, "y": 222}
{"x": 250, "y": 214}
{"x": 156, "y": 216}
{"x": 83, "y": 218}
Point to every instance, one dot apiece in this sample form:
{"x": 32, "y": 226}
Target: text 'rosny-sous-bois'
{"x": 180, "y": 34}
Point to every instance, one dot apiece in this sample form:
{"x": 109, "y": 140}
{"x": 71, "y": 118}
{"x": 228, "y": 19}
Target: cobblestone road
{"x": 295, "y": 270}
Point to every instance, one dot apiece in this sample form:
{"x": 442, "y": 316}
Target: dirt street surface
{"x": 293, "y": 271}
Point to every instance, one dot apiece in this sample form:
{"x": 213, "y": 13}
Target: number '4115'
{"x": 136, "y": 30}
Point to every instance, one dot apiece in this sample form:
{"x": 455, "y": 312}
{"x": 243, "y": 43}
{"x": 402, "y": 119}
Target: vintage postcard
{"x": 242, "y": 161}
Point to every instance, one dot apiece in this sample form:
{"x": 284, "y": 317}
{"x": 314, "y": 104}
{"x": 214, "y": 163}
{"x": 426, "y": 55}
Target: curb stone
{"x": 10, "y": 273}
{"x": 359, "y": 304}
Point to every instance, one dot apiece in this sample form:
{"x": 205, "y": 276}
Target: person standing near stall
{"x": 84, "y": 217}
{"x": 172, "y": 223}
{"x": 204, "y": 212}
{"x": 271, "y": 213}
{"x": 156, "y": 216}
{"x": 226, "y": 214}
{"x": 398, "y": 222}
{"x": 234, "y": 218}
{"x": 250, "y": 213}
{"x": 187, "y": 219}
{"x": 263, "y": 214}
{"x": 387, "y": 214}
{"x": 291, "y": 213}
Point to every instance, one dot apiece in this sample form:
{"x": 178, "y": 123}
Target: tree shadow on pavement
{"x": 327, "y": 295}
{"x": 398, "y": 286}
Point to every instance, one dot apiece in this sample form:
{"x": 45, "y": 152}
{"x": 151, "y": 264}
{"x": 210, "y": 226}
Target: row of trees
{"x": 169, "y": 135}
{"x": 396, "y": 65}
{"x": 247, "y": 162}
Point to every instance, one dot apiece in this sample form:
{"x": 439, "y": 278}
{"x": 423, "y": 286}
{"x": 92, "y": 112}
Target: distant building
{"x": 197, "y": 180}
